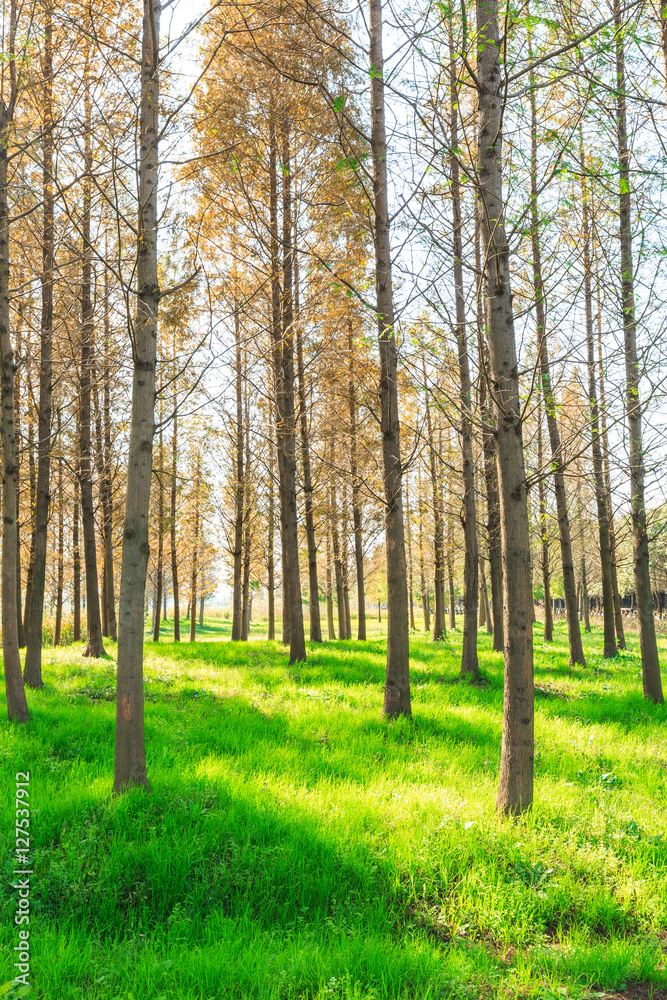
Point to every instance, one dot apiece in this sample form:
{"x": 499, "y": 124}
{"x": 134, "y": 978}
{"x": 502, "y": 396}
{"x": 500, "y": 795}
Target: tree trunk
{"x": 271, "y": 531}
{"x": 410, "y": 580}
{"x": 107, "y": 494}
{"x": 33, "y": 522}
{"x": 546, "y": 572}
{"x": 287, "y": 433}
{"x": 584, "y": 595}
{"x": 484, "y": 598}
{"x": 94, "y": 645}
{"x": 195, "y": 564}
{"x": 609, "y": 648}
{"x": 247, "y": 539}
{"x": 515, "y": 793}
{"x": 201, "y": 611}
{"x": 17, "y": 396}
{"x": 61, "y": 556}
{"x": 450, "y": 573}
{"x": 333, "y": 506}
{"x": 569, "y": 585}
{"x": 426, "y": 608}
{"x": 356, "y": 502}
{"x": 32, "y": 671}
{"x": 76, "y": 562}
{"x": 331, "y": 631}
{"x": 469, "y": 660}
{"x": 439, "y": 628}
{"x": 489, "y": 456}
{"x": 308, "y": 488}
{"x": 130, "y": 761}
{"x": 652, "y": 682}
{"x": 397, "y": 682}
{"x": 172, "y": 518}
{"x": 17, "y": 706}
{"x": 238, "y": 486}
{"x": 159, "y": 569}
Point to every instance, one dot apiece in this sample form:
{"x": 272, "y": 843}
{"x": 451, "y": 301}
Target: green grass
{"x": 296, "y": 846}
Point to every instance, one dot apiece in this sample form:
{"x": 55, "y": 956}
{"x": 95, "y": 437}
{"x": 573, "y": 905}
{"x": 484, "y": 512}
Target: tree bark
{"x": 439, "y": 628}
{"x": 130, "y": 759}
{"x": 159, "y": 569}
{"x": 61, "y": 556}
{"x": 308, "y": 488}
{"x": 286, "y": 433}
{"x": 247, "y": 536}
{"x": 426, "y": 605}
{"x": 172, "y": 517}
{"x": 32, "y": 671}
{"x": 338, "y": 567}
{"x": 17, "y": 397}
{"x": 469, "y": 660}
{"x": 410, "y": 580}
{"x": 106, "y": 482}
{"x": 33, "y": 499}
{"x": 397, "y": 682}
{"x": 652, "y": 681}
{"x": 331, "y": 631}
{"x": 515, "y": 793}
{"x": 489, "y": 458}
{"x": 76, "y": 560}
{"x": 569, "y": 585}
{"x": 609, "y": 646}
{"x": 17, "y": 706}
{"x": 94, "y": 645}
{"x": 195, "y": 561}
{"x": 356, "y": 502}
{"x": 238, "y": 486}
{"x": 271, "y": 530}
{"x": 544, "y": 537}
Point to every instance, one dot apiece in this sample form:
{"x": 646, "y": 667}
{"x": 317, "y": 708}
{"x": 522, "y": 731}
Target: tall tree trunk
{"x": 238, "y": 486}
{"x": 61, "y": 556}
{"x": 17, "y": 706}
{"x": 308, "y": 488}
{"x": 331, "y": 631}
{"x": 609, "y": 648}
{"x": 172, "y": 517}
{"x": 195, "y": 567}
{"x": 489, "y": 457}
{"x": 33, "y": 523}
{"x": 106, "y": 482}
{"x": 397, "y": 682}
{"x": 201, "y": 610}
{"x": 340, "y": 601}
{"x": 618, "y": 615}
{"x": 410, "y": 580}
{"x": 271, "y": 531}
{"x": 647, "y": 640}
{"x": 159, "y": 569}
{"x": 288, "y": 435}
{"x": 515, "y": 792}
{"x": 32, "y": 671}
{"x": 345, "y": 560}
{"x": 94, "y": 645}
{"x": 469, "y": 660}
{"x": 544, "y": 537}
{"x": 356, "y": 501}
{"x": 450, "y": 571}
{"x": 130, "y": 761}
{"x": 76, "y": 561}
{"x": 426, "y": 605}
{"x": 277, "y": 339}
{"x": 247, "y": 536}
{"x": 569, "y": 585}
{"x": 439, "y": 628}
{"x": 17, "y": 396}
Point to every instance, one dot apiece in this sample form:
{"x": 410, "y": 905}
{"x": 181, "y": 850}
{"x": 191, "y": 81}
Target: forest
{"x": 334, "y": 519}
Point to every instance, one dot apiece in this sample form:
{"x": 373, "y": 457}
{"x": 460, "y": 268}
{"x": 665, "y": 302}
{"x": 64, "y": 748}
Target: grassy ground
{"x": 294, "y": 845}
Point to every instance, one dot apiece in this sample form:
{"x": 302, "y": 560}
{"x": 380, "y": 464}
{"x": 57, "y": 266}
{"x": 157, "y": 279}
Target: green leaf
{"x": 339, "y": 104}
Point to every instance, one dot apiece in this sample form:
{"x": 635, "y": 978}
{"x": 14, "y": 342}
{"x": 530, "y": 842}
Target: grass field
{"x": 296, "y": 846}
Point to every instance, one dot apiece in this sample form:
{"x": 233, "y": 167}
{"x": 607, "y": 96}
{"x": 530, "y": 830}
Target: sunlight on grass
{"x": 295, "y": 845}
